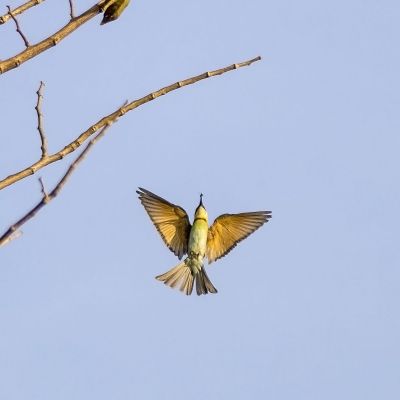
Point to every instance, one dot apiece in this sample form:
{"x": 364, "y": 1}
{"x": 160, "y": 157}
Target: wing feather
{"x": 170, "y": 220}
{"x": 229, "y": 229}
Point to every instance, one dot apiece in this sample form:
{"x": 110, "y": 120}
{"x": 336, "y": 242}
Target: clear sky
{"x": 308, "y": 306}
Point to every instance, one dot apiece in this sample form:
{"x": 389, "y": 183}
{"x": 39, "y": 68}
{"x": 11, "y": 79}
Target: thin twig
{"x": 71, "y": 9}
{"x": 42, "y": 188}
{"x": 38, "y": 108}
{"x": 19, "y": 10}
{"x": 51, "y": 41}
{"x": 116, "y": 114}
{"x": 13, "y": 231}
{"x": 18, "y": 27}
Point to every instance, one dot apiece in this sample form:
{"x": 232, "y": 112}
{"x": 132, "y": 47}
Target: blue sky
{"x": 307, "y": 306}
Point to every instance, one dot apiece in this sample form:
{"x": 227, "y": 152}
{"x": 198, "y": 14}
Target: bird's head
{"x": 200, "y": 210}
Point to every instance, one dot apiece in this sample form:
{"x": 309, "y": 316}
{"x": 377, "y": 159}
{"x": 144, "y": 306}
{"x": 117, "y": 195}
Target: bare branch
{"x": 71, "y": 9}
{"x": 11, "y": 235}
{"x": 18, "y": 27}
{"x": 51, "y": 41}
{"x": 19, "y": 10}
{"x": 42, "y": 188}
{"x": 38, "y": 109}
{"x": 13, "y": 231}
{"x": 74, "y": 165}
{"x": 109, "y": 118}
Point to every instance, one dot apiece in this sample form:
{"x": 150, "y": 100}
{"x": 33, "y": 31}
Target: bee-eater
{"x": 113, "y": 9}
{"x": 199, "y": 240}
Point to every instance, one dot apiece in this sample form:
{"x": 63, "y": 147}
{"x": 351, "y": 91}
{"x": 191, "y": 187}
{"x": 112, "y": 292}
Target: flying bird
{"x": 113, "y": 9}
{"x": 197, "y": 241}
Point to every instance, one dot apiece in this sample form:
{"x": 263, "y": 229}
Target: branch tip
{"x": 83, "y": 137}
{"x": 38, "y": 108}
{"x": 42, "y": 188}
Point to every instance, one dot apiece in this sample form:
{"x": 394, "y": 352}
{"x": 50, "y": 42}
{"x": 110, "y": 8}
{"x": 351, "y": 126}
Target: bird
{"x": 113, "y": 9}
{"x": 197, "y": 241}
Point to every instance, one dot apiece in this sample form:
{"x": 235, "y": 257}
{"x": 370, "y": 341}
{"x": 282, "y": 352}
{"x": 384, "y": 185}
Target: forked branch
{"x": 18, "y": 27}
{"x": 14, "y": 230}
{"x": 46, "y": 160}
{"x": 19, "y": 10}
{"x": 51, "y": 41}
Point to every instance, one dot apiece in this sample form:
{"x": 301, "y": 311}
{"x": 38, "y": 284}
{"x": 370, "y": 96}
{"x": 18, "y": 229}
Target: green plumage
{"x": 197, "y": 241}
{"x": 113, "y": 9}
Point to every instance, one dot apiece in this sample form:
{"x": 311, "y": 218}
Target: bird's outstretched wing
{"x": 229, "y": 229}
{"x": 170, "y": 220}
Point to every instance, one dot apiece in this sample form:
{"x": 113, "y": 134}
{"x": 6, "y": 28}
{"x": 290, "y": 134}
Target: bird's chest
{"x": 198, "y": 237}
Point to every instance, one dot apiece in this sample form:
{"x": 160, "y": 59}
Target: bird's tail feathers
{"x": 182, "y": 277}
{"x": 203, "y": 283}
{"x": 179, "y": 277}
